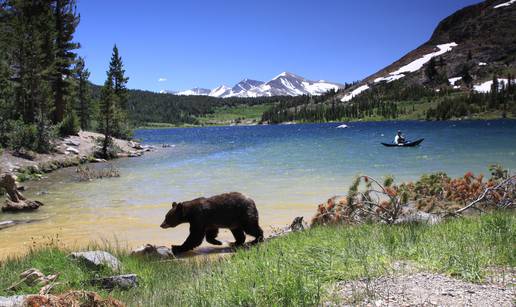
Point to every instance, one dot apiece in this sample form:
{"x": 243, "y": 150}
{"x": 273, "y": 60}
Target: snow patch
{"x": 486, "y": 86}
{"x": 505, "y": 4}
{"x": 354, "y": 93}
{"x": 454, "y": 80}
{"x": 389, "y": 78}
{"x": 482, "y": 64}
{"x": 417, "y": 64}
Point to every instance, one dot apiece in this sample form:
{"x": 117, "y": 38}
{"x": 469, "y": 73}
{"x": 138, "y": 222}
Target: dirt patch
{"x": 425, "y": 289}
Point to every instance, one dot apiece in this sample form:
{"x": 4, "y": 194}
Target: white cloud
{"x": 162, "y": 79}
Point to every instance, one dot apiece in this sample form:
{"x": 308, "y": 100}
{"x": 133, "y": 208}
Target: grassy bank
{"x": 298, "y": 269}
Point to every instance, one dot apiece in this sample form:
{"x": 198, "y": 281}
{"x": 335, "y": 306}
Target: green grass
{"x": 298, "y": 269}
{"x": 237, "y": 114}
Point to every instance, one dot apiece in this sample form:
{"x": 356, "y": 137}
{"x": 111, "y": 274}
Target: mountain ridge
{"x": 284, "y": 84}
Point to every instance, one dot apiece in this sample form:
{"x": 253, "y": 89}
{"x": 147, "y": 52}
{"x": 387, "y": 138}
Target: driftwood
{"x": 506, "y": 189}
{"x": 15, "y": 200}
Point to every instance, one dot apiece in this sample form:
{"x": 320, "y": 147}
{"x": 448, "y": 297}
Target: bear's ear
{"x": 174, "y": 204}
{"x": 179, "y": 209}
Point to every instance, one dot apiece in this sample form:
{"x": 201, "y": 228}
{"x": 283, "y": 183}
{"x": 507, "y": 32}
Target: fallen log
{"x": 15, "y": 201}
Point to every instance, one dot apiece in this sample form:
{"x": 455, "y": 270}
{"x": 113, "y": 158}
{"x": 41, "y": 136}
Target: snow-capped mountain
{"x": 285, "y": 84}
{"x": 195, "y": 91}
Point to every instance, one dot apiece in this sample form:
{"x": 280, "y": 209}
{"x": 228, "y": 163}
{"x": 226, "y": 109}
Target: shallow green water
{"x": 286, "y": 169}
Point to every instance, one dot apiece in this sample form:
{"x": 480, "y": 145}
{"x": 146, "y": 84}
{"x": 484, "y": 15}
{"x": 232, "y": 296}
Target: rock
{"x": 98, "y": 258}
{"x": 134, "y": 154}
{"x": 297, "y": 225}
{"x": 135, "y": 145}
{"x": 72, "y": 143}
{"x": 97, "y": 160}
{"x": 25, "y": 154}
{"x": 6, "y": 224}
{"x": 150, "y": 250}
{"x": 72, "y": 150}
{"x": 413, "y": 215}
{"x": 13, "y": 301}
{"x": 124, "y": 282}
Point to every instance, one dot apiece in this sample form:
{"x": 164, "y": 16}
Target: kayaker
{"x": 399, "y": 138}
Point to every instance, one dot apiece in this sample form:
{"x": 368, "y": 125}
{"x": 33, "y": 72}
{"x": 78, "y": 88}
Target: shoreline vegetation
{"x": 304, "y": 268}
{"x": 484, "y": 117}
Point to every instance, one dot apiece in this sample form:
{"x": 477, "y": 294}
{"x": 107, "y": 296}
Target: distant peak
{"x": 287, "y": 74}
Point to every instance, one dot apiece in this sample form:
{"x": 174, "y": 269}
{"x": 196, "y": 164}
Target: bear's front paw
{"x": 176, "y": 249}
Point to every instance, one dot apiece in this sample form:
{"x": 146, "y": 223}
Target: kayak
{"x": 406, "y": 144}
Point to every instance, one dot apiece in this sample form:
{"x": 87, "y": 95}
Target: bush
{"x": 23, "y": 136}
{"x": 70, "y": 125}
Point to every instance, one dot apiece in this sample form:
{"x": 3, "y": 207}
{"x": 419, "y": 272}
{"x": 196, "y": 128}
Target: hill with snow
{"x": 478, "y": 39}
{"x": 285, "y": 84}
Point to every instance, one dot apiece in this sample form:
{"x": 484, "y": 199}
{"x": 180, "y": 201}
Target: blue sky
{"x": 207, "y": 43}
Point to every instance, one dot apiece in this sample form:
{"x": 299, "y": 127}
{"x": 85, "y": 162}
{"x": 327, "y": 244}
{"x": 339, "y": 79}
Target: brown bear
{"x": 206, "y": 215}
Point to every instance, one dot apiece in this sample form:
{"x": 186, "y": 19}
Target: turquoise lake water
{"x": 286, "y": 169}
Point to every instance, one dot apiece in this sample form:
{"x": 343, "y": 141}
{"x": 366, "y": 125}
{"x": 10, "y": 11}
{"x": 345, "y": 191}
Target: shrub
{"x": 70, "y": 125}
{"x": 23, "y": 136}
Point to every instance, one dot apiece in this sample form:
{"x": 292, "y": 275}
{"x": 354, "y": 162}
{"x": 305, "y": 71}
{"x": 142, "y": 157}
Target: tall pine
{"x": 65, "y": 22}
{"x": 116, "y": 73}
{"x": 83, "y": 94}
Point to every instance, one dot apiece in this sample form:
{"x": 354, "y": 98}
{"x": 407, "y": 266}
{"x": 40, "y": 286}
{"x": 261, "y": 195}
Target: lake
{"x": 286, "y": 169}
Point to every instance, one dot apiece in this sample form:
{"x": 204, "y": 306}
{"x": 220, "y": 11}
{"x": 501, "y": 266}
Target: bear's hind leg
{"x": 211, "y": 235}
{"x": 239, "y": 235}
{"x": 255, "y": 231}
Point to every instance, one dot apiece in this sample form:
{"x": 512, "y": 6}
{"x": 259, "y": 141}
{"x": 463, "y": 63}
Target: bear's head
{"x": 174, "y": 217}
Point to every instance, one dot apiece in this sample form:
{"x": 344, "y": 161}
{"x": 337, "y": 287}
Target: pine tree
{"x": 466, "y": 77}
{"x": 83, "y": 108}
{"x": 108, "y": 109}
{"x": 66, "y": 21}
{"x": 495, "y": 86}
{"x": 30, "y": 54}
{"x": 430, "y": 71}
{"x": 116, "y": 73}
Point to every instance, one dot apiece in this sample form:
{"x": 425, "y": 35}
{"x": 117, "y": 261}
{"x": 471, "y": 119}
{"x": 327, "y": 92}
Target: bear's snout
{"x": 164, "y": 225}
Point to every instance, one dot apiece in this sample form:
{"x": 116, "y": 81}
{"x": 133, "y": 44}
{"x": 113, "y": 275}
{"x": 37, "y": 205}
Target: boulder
{"x": 97, "y": 259}
{"x": 72, "y": 143}
{"x": 123, "y": 282}
{"x": 72, "y": 150}
{"x": 150, "y": 250}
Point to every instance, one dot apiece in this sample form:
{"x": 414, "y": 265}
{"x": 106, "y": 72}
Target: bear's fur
{"x": 206, "y": 215}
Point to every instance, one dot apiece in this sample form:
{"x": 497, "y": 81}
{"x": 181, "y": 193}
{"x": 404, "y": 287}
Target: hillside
{"x": 451, "y": 71}
{"x": 485, "y": 33}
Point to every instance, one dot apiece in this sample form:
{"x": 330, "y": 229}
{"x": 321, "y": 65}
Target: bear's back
{"x": 228, "y": 210}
